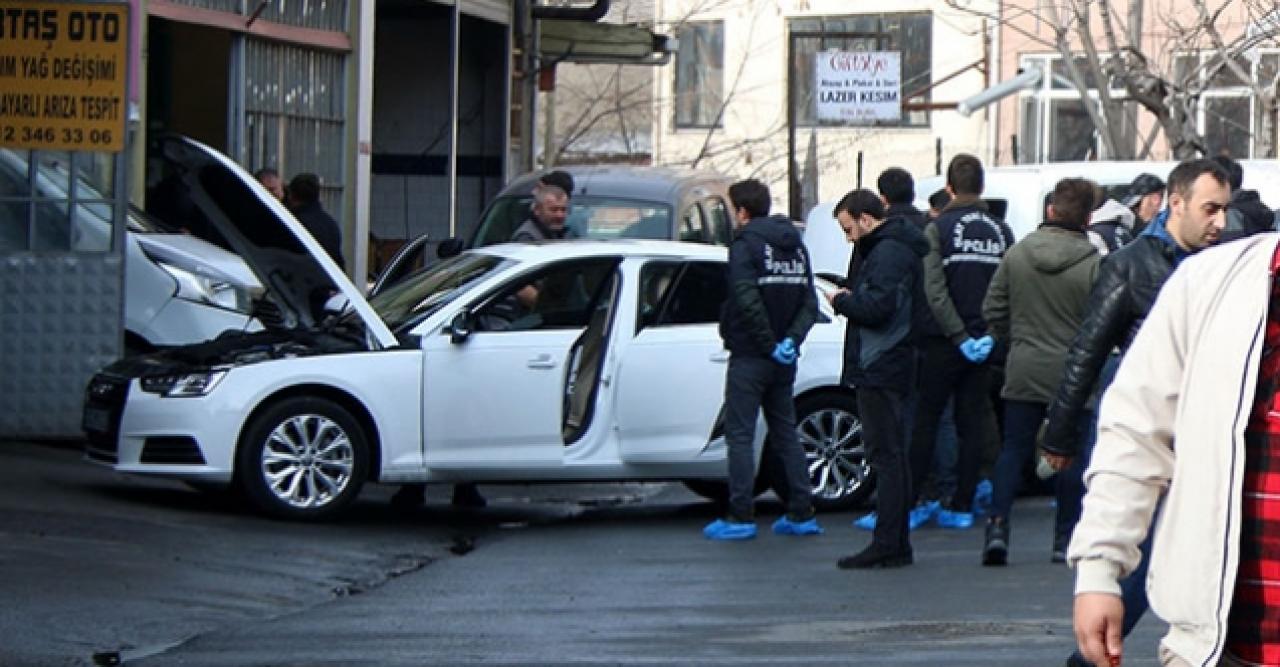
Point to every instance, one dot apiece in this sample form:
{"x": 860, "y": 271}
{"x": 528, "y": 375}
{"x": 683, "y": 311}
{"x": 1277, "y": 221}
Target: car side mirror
{"x": 460, "y": 328}
{"x": 450, "y": 247}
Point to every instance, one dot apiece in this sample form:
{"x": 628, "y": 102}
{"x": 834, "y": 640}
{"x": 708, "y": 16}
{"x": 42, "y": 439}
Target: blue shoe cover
{"x": 956, "y": 520}
{"x": 920, "y": 514}
{"x": 866, "y": 521}
{"x": 982, "y": 498}
{"x": 729, "y": 530}
{"x": 785, "y": 526}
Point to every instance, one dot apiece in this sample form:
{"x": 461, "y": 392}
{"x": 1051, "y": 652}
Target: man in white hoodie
{"x": 1111, "y": 227}
{"x": 1209, "y": 347}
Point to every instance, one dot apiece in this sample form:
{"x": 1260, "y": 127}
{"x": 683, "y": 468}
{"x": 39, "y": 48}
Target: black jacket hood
{"x": 901, "y": 229}
{"x": 776, "y": 230}
{"x": 909, "y": 213}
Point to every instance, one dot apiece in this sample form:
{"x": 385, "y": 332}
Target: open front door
{"x": 499, "y": 396}
{"x": 666, "y": 417}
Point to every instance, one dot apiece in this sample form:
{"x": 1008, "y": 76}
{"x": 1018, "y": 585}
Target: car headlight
{"x": 182, "y": 385}
{"x": 197, "y": 288}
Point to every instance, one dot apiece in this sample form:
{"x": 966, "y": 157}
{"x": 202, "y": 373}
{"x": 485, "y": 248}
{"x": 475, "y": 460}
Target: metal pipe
{"x": 1027, "y": 79}
{"x": 453, "y": 119}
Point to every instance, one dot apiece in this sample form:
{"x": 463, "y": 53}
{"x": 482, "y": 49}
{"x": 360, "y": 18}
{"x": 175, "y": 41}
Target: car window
{"x": 674, "y": 294}
{"x": 563, "y": 296}
{"x": 589, "y": 216}
{"x": 413, "y": 298}
{"x": 656, "y": 279}
{"x": 721, "y": 223}
{"x": 692, "y": 227}
{"x": 998, "y": 208}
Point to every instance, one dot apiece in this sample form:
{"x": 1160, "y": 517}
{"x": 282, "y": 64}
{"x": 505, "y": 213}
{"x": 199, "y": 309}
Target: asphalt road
{"x": 153, "y": 574}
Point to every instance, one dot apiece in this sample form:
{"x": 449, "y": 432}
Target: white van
{"x": 179, "y": 289}
{"x": 1018, "y": 194}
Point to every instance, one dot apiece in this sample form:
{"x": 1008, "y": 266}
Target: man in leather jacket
{"x": 1126, "y": 287}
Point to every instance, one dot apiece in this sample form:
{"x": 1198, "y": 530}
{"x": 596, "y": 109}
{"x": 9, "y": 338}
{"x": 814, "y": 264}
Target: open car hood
{"x": 298, "y": 275}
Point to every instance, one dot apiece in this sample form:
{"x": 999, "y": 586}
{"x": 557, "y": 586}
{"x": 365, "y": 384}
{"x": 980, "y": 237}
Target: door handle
{"x": 542, "y": 361}
{"x": 720, "y": 357}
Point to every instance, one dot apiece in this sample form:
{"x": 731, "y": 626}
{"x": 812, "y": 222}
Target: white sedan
{"x": 560, "y": 362}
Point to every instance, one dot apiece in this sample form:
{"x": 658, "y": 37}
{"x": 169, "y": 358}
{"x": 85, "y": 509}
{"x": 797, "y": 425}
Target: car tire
{"x": 303, "y": 458}
{"x": 830, "y": 433}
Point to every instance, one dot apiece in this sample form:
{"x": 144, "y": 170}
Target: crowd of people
{"x": 1093, "y": 343}
{"x": 1020, "y": 344}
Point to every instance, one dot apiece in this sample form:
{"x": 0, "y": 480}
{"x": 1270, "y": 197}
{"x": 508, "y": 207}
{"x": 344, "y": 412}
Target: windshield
{"x": 591, "y": 217}
{"x": 408, "y": 302}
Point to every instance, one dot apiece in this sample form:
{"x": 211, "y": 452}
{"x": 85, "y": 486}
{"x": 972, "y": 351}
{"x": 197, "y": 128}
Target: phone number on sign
{"x": 49, "y": 135}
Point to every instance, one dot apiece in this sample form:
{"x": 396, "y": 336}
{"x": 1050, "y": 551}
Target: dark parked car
{"x": 611, "y": 202}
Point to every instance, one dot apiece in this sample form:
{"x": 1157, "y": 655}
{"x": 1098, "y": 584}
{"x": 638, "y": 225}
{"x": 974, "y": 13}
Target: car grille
{"x": 103, "y": 407}
{"x": 176, "y": 449}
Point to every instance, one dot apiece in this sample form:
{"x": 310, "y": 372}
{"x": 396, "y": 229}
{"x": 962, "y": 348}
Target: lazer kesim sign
{"x": 858, "y": 87}
{"x": 62, "y": 75}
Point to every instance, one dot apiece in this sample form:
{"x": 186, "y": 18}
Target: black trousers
{"x": 883, "y": 415}
{"x": 944, "y": 374}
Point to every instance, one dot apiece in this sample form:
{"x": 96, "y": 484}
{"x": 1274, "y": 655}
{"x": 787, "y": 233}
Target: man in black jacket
{"x": 1128, "y": 282}
{"x": 304, "y": 203}
{"x": 1247, "y": 215}
{"x": 770, "y": 309}
{"x": 884, "y": 303}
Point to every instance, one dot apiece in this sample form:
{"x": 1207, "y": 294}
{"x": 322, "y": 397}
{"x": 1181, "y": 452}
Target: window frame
{"x": 705, "y": 72}
{"x": 514, "y": 284}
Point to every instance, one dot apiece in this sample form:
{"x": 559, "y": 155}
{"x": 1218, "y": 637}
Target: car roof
{"x": 648, "y": 183}
{"x": 582, "y": 248}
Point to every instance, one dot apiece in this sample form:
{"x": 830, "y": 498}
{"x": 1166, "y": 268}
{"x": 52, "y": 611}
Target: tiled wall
{"x": 60, "y": 321}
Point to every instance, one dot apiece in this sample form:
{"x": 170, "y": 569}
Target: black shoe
{"x": 468, "y": 495}
{"x": 409, "y": 497}
{"x": 1076, "y": 661}
{"x": 995, "y": 549}
{"x": 1059, "y": 553}
{"x": 876, "y": 556}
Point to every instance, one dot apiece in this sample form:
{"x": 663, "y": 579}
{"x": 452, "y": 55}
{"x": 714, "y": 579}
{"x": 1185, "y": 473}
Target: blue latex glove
{"x": 984, "y": 346}
{"x": 785, "y": 352}
{"x": 969, "y": 348}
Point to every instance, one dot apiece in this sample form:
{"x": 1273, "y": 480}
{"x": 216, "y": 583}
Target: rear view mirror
{"x": 460, "y": 328}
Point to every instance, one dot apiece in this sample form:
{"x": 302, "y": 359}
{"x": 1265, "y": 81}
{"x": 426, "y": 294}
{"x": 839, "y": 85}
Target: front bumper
{"x": 141, "y": 433}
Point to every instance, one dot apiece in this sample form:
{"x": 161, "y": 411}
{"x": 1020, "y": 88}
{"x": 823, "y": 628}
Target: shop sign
{"x": 858, "y": 87}
{"x": 63, "y": 75}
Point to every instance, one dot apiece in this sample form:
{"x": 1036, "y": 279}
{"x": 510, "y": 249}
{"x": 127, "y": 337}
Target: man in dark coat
{"x": 770, "y": 309}
{"x": 883, "y": 301}
{"x": 1247, "y": 215}
{"x": 304, "y": 203}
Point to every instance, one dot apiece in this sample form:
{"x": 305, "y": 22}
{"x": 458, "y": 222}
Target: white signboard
{"x": 858, "y": 87}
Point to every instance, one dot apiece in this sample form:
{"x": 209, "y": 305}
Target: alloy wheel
{"x": 835, "y": 455}
{"x": 307, "y": 461}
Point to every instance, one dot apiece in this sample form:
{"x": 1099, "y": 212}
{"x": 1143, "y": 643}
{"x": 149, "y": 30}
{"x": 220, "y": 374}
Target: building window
{"x": 910, "y": 34}
{"x": 56, "y": 201}
{"x": 1055, "y": 124}
{"x": 1227, "y": 115}
{"x": 700, "y": 74}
